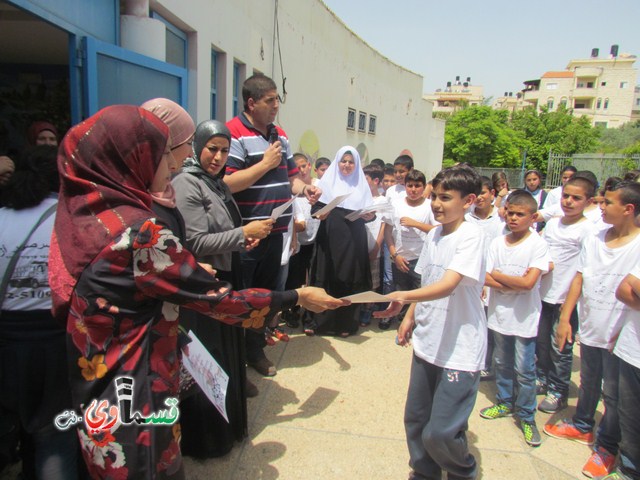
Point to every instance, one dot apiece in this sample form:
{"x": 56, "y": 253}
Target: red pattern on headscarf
{"x": 106, "y": 164}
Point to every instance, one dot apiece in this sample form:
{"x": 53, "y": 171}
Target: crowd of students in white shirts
{"x": 560, "y": 266}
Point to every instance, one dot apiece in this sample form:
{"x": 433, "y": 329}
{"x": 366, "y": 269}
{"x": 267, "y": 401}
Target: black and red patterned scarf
{"x": 106, "y": 164}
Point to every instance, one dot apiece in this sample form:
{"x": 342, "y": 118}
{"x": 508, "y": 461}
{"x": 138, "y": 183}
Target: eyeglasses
{"x": 190, "y": 143}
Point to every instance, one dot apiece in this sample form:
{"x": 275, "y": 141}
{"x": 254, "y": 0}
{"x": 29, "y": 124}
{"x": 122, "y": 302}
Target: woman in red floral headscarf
{"x": 112, "y": 267}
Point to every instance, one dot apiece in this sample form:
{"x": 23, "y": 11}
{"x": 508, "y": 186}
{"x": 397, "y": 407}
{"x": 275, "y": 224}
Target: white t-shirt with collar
{"x": 517, "y": 312}
{"x": 565, "y": 243}
{"x": 628, "y": 345}
{"x": 451, "y": 332}
{"x": 603, "y": 268}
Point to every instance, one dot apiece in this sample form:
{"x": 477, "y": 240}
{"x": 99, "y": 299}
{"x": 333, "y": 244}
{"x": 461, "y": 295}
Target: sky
{"x": 498, "y": 43}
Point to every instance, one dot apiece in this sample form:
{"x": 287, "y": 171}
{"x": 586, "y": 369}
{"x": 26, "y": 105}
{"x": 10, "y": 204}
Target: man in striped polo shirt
{"x": 262, "y": 175}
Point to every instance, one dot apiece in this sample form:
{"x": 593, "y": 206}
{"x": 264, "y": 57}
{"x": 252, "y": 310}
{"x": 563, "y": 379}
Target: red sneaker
{"x": 600, "y": 463}
{"x": 566, "y": 430}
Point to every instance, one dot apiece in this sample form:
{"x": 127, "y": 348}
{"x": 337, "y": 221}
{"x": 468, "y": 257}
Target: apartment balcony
{"x": 585, "y": 92}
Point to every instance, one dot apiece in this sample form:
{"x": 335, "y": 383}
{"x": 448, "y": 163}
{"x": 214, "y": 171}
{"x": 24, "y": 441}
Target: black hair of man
{"x": 36, "y": 177}
{"x": 322, "y": 161}
{"x": 522, "y": 198}
{"x": 415, "y": 176}
{"x": 462, "y": 179}
{"x": 584, "y": 184}
{"x": 589, "y": 175}
{"x": 569, "y": 168}
{"x": 404, "y": 160}
{"x": 256, "y": 87}
{"x": 629, "y": 194}
{"x": 378, "y": 162}
{"x": 486, "y": 182}
{"x": 373, "y": 171}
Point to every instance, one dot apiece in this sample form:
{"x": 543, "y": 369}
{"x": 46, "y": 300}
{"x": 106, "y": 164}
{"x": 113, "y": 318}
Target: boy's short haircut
{"x": 374, "y": 172}
{"x": 388, "y": 170}
{"x": 589, "y": 175}
{"x": 629, "y": 194}
{"x": 632, "y": 176}
{"x": 415, "y": 176}
{"x": 486, "y": 182}
{"x": 299, "y": 155}
{"x": 611, "y": 182}
{"x": 405, "y": 161}
{"x": 584, "y": 184}
{"x": 256, "y": 87}
{"x": 522, "y": 198}
{"x": 569, "y": 168}
{"x": 322, "y": 161}
{"x": 378, "y": 162}
{"x": 460, "y": 178}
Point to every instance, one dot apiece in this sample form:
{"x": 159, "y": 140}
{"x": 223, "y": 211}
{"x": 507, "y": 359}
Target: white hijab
{"x": 333, "y": 183}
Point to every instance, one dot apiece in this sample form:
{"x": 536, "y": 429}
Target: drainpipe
{"x": 140, "y": 33}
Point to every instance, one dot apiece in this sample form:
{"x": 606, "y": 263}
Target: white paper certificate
{"x": 331, "y": 205}
{"x": 207, "y": 373}
{"x": 276, "y": 212}
{"x": 367, "y": 297}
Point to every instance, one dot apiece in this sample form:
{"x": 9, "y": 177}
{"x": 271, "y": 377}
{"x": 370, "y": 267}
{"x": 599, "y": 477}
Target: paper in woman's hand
{"x": 331, "y": 205}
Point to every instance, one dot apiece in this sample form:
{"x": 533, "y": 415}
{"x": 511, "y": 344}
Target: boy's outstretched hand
{"x": 394, "y": 307}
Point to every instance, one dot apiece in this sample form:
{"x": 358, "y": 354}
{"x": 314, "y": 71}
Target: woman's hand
{"x": 317, "y": 300}
{"x": 210, "y": 270}
{"x": 258, "y": 229}
{"x": 250, "y": 243}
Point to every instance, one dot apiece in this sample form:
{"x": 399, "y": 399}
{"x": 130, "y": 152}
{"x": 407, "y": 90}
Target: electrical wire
{"x": 276, "y": 36}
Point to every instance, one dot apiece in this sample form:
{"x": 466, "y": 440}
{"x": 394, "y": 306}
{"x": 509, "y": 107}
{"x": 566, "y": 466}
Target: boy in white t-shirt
{"x": 604, "y": 261}
{"x": 565, "y": 236}
{"x": 627, "y": 350}
{"x": 514, "y": 266}
{"x": 401, "y": 167}
{"x": 486, "y": 216}
{"x": 405, "y": 234}
{"x": 375, "y": 237}
{"x": 448, "y": 327}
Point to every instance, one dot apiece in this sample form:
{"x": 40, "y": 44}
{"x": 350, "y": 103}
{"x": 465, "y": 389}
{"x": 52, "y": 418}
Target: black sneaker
{"x": 531, "y": 433}
{"x": 385, "y": 324}
{"x": 552, "y": 403}
{"x": 486, "y": 375}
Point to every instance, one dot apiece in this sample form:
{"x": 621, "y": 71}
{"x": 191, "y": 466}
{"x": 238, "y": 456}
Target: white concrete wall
{"x": 328, "y": 70}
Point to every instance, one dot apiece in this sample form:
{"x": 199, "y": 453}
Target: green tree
{"x": 616, "y": 140}
{"x": 481, "y": 136}
{"x": 559, "y": 131}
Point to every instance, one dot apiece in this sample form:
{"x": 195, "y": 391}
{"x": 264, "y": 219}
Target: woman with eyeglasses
{"x": 340, "y": 262}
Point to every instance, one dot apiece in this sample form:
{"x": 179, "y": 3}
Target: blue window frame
{"x": 114, "y": 75}
{"x": 236, "y": 87}
{"x": 177, "y": 43}
{"x": 214, "y": 84}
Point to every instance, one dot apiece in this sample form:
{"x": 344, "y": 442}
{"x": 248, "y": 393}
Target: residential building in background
{"x": 602, "y": 88}
{"x": 456, "y": 95}
{"x": 80, "y": 56}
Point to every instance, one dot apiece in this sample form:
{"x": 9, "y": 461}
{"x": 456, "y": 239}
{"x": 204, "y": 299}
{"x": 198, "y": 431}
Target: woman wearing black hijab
{"x": 215, "y": 235}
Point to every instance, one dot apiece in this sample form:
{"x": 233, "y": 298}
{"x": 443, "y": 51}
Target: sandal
{"x": 309, "y": 332}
